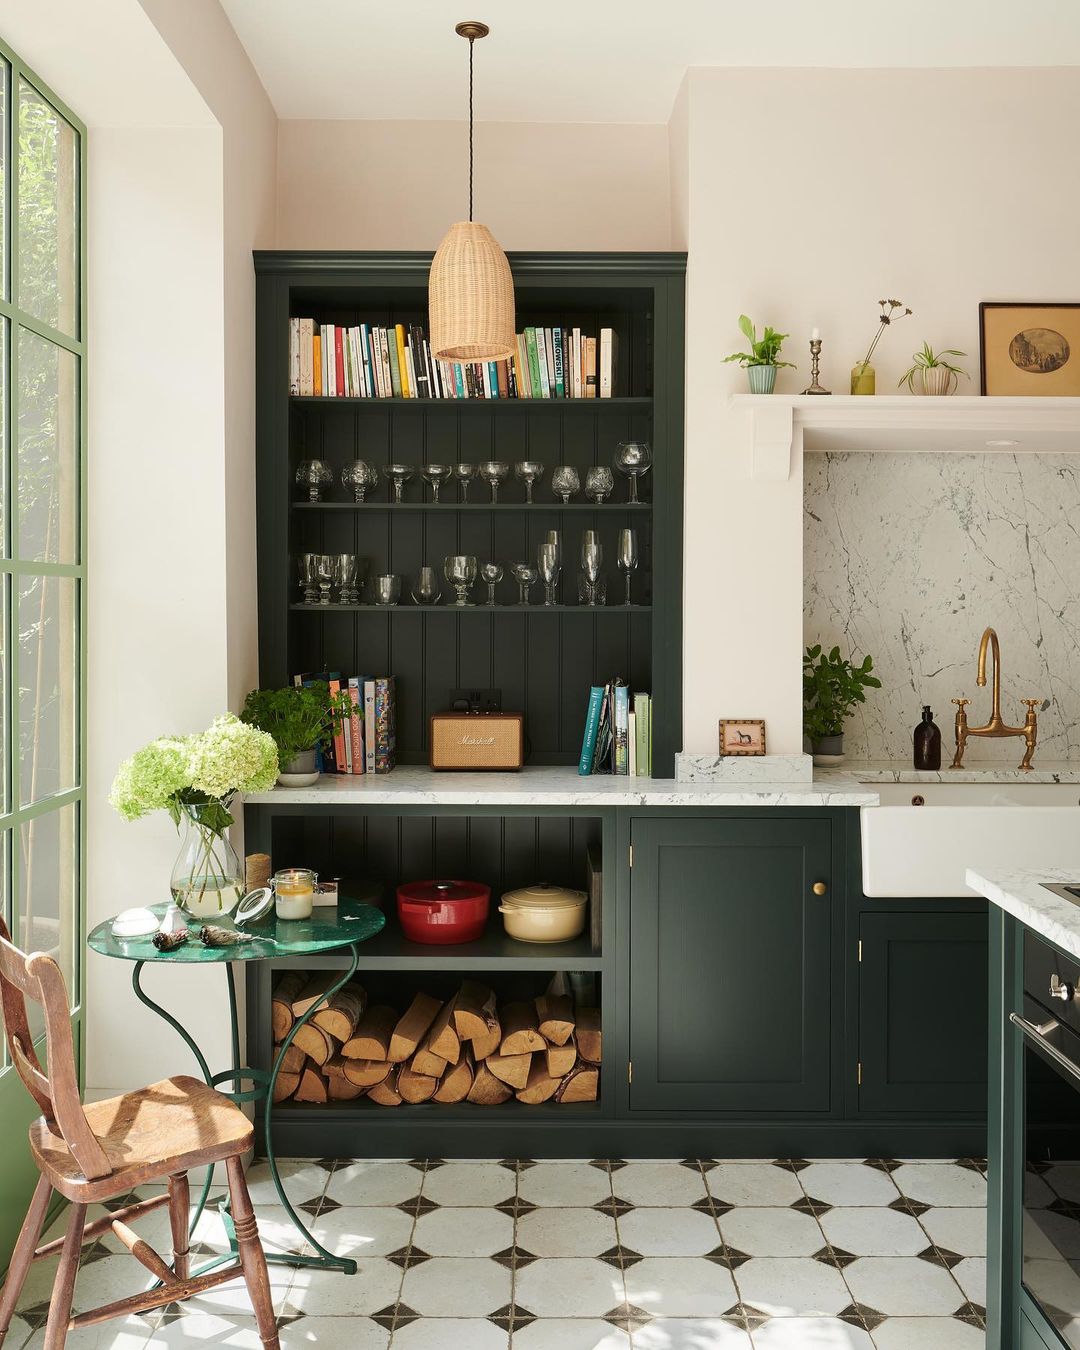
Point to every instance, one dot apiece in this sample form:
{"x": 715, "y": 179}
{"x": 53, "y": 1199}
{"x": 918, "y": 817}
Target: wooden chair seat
{"x": 157, "y": 1131}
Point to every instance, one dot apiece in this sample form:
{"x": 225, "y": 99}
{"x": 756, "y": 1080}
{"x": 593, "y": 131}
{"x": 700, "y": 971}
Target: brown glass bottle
{"x": 927, "y": 742}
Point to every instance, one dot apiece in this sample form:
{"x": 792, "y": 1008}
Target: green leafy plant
{"x": 927, "y": 359}
{"x": 832, "y": 687}
{"x": 763, "y": 351}
{"x": 298, "y": 717}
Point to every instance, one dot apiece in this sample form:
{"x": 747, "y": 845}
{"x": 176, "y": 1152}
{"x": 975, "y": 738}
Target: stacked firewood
{"x": 466, "y": 1049}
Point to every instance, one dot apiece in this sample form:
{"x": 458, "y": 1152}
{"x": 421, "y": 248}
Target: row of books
{"x": 365, "y": 742}
{"x": 366, "y": 361}
{"x": 618, "y": 732}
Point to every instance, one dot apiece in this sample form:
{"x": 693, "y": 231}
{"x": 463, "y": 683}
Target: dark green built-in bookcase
{"x": 543, "y": 660}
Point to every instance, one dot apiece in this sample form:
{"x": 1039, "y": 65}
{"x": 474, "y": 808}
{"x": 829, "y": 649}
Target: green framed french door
{"x": 42, "y": 560}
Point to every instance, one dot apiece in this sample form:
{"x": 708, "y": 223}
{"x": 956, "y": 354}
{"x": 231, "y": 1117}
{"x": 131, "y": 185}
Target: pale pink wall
{"x": 394, "y": 185}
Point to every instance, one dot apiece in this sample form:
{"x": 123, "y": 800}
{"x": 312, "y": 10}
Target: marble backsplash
{"x": 910, "y": 557}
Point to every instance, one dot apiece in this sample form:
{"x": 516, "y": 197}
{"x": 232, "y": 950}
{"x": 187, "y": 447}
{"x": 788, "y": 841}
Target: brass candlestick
{"x": 815, "y": 356}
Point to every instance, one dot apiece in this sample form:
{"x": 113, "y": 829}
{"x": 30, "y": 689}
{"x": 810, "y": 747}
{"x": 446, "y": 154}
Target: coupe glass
{"x": 399, "y": 475}
{"x": 530, "y": 471}
{"x": 309, "y": 581}
{"x": 592, "y": 559}
{"x": 387, "y": 589}
{"x": 525, "y": 575}
{"x": 599, "y": 482}
{"x": 464, "y": 473}
{"x": 493, "y": 473}
{"x": 347, "y": 569}
{"x": 633, "y": 458}
{"x": 427, "y": 590}
{"x": 549, "y": 567}
{"x": 565, "y": 482}
{"x": 357, "y": 478}
{"x": 325, "y": 575}
{"x": 492, "y": 573}
{"x": 436, "y": 475}
{"x": 314, "y": 474}
{"x": 628, "y": 557}
{"x": 460, "y": 571}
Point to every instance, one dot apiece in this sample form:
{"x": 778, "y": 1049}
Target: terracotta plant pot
{"x": 761, "y": 379}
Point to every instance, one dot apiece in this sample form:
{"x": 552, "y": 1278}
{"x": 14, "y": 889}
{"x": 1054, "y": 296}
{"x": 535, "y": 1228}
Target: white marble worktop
{"x": 417, "y": 786}
{"x": 900, "y": 771}
{"x": 1021, "y": 893}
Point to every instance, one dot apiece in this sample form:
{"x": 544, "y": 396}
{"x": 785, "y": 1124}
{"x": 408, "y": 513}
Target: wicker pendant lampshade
{"x": 470, "y": 288}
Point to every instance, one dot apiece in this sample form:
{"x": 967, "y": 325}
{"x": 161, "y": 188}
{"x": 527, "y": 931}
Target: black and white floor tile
{"x": 697, "y": 1254}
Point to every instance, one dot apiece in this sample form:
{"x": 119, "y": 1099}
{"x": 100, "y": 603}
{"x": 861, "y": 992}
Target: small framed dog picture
{"x": 742, "y": 736}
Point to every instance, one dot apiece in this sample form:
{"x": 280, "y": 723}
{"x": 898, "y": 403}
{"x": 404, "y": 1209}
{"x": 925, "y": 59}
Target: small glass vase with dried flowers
{"x": 863, "y": 377}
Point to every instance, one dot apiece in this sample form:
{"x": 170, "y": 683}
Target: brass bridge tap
{"x": 996, "y": 727}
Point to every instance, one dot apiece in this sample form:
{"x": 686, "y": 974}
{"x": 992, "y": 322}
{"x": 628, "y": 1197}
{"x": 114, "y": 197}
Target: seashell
{"x": 168, "y": 942}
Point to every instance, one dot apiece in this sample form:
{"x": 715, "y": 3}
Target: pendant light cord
{"x": 472, "y": 43}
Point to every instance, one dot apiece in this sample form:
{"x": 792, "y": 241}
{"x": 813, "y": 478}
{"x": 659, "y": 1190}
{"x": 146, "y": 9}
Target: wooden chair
{"x": 95, "y": 1153}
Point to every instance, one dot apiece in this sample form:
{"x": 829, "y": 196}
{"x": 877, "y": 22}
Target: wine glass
{"x": 436, "y": 475}
{"x": 399, "y": 475}
{"x": 565, "y": 482}
{"x": 493, "y": 473}
{"x": 347, "y": 569}
{"x": 427, "y": 590}
{"x": 633, "y": 458}
{"x": 549, "y": 567}
{"x": 599, "y": 482}
{"x": 464, "y": 473}
{"x": 628, "y": 557}
{"x": 309, "y": 581}
{"x": 358, "y": 477}
{"x": 314, "y": 474}
{"x": 592, "y": 558}
{"x": 325, "y": 575}
{"x": 460, "y": 571}
{"x": 492, "y": 573}
{"x": 387, "y": 589}
{"x": 530, "y": 471}
{"x": 525, "y": 575}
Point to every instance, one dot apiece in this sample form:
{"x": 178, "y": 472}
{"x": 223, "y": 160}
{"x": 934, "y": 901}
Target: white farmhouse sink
{"x": 913, "y": 850}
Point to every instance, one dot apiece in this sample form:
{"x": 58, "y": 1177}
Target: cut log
{"x": 281, "y": 1001}
{"x": 589, "y": 1041}
{"x": 487, "y": 1090}
{"x": 312, "y": 1086}
{"x": 555, "y": 1017}
{"x": 442, "y": 1039}
{"x": 457, "y": 1080}
{"x": 561, "y": 1059}
{"x": 488, "y": 1043}
{"x": 426, "y": 1062}
{"x": 520, "y": 1034}
{"x": 294, "y": 1058}
{"x": 415, "y": 1087}
{"x": 541, "y": 1086}
{"x": 474, "y": 1011}
{"x": 385, "y": 1093}
{"x": 317, "y": 1044}
{"x": 371, "y": 1039}
{"x": 335, "y": 1066}
{"x": 412, "y": 1028}
{"x": 366, "y": 1072}
{"x": 341, "y": 1090}
{"x": 285, "y": 1085}
{"x": 342, "y": 1013}
{"x": 513, "y": 1070}
{"x": 580, "y": 1085}
{"x": 313, "y": 990}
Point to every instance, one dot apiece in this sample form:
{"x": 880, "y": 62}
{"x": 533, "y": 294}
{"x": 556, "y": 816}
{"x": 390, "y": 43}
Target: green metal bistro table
{"x": 344, "y": 926}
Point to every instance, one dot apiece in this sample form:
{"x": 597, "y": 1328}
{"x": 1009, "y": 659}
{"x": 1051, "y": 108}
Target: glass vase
{"x": 863, "y": 378}
{"x": 207, "y": 878}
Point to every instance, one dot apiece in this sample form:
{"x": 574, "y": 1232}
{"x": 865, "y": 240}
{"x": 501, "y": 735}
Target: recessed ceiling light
{"x": 998, "y": 444}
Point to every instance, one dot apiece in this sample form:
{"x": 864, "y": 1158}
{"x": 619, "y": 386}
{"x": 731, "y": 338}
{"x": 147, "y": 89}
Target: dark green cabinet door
{"x": 729, "y": 965}
{"x": 922, "y": 1013}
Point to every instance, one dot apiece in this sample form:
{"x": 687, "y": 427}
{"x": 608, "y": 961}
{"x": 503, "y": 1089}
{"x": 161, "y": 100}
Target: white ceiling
{"x": 610, "y": 60}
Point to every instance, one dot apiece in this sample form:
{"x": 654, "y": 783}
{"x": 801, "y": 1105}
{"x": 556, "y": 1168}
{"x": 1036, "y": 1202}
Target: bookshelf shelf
{"x": 459, "y": 610}
{"x": 448, "y": 508}
{"x": 471, "y": 404}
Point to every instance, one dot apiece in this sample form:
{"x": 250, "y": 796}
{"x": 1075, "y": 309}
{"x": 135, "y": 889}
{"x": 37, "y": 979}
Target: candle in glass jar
{"x": 294, "y": 888}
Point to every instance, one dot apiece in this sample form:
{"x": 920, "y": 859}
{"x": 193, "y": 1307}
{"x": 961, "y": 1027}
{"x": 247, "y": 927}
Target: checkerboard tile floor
{"x": 772, "y": 1254}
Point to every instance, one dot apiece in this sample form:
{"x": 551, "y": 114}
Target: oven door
{"x": 1050, "y": 1245}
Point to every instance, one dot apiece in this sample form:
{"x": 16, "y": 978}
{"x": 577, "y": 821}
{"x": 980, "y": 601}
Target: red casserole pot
{"x": 442, "y": 912}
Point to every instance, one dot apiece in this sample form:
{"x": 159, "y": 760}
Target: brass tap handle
{"x": 1031, "y": 703}
{"x": 961, "y": 702}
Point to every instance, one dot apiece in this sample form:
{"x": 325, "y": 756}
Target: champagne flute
{"x": 628, "y": 557}
{"x": 550, "y": 567}
{"x": 592, "y": 558}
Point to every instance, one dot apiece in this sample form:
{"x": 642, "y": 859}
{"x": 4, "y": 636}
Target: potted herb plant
{"x": 930, "y": 373}
{"x": 832, "y": 687}
{"x": 761, "y": 361}
{"x": 301, "y": 719}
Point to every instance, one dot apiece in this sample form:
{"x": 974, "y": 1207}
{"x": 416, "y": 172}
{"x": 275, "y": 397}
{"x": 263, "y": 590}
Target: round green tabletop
{"x": 330, "y": 926}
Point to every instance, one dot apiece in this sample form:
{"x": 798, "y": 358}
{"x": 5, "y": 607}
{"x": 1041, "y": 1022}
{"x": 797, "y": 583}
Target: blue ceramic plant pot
{"x": 762, "y": 379}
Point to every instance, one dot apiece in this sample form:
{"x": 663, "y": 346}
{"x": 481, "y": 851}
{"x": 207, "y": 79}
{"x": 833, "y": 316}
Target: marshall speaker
{"x": 482, "y": 740}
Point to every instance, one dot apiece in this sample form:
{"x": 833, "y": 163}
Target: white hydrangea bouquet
{"x": 195, "y": 778}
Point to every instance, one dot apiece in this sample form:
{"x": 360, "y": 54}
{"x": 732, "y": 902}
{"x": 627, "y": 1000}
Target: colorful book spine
{"x": 356, "y": 724}
{"x": 369, "y": 726}
{"x": 642, "y": 704}
{"x": 622, "y": 730}
{"x": 534, "y": 362}
{"x": 592, "y": 726}
{"x": 557, "y": 343}
{"x": 385, "y": 726}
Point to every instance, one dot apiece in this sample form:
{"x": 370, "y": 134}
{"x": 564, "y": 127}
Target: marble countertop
{"x": 417, "y": 786}
{"x": 1021, "y": 893}
{"x": 900, "y": 771}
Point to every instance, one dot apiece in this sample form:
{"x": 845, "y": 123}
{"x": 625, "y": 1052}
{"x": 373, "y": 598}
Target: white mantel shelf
{"x": 774, "y": 425}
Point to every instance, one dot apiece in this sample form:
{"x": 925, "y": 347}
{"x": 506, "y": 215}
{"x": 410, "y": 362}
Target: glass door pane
{"x": 49, "y": 895}
{"x": 48, "y": 213}
{"x": 48, "y": 699}
{"x": 47, "y": 459}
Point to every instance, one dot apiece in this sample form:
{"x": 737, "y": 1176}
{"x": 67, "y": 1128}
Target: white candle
{"x": 815, "y": 334}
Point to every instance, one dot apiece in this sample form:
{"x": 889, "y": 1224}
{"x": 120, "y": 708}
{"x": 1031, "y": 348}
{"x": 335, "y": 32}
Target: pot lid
{"x": 441, "y": 892}
{"x": 543, "y": 896}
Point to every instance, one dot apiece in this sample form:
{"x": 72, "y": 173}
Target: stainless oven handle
{"x": 1038, "y": 1035}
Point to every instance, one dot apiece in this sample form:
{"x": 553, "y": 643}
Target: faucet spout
{"x": 997, "y": 726}
{"x": 990, "y": 638}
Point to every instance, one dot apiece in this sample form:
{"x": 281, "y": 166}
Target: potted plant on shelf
{"x": 301, "y": 719}
{"x": 760, "y": 362}
{"x": 832, "y": 687}
{"x": 195, "y": 778}
{"x": 931, "y": 373}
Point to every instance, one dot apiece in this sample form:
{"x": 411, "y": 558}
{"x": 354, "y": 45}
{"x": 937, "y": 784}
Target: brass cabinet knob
{"x": 819, "y": 888}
